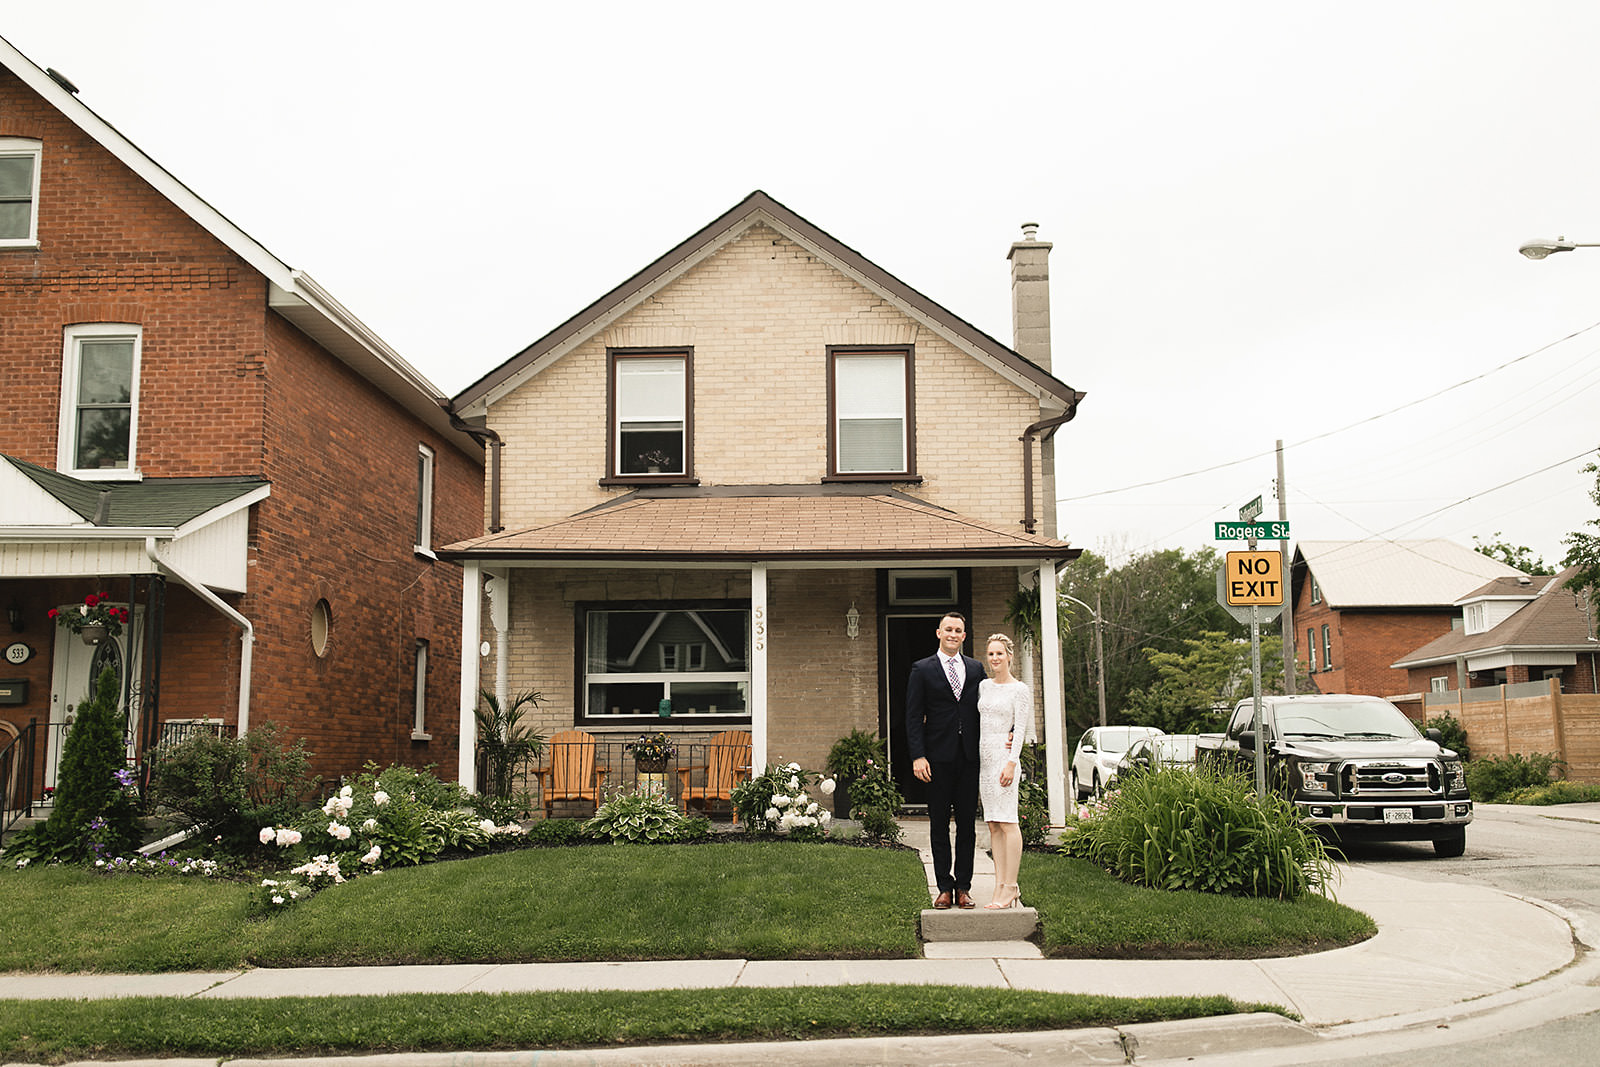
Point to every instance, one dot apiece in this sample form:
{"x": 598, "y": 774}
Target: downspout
{"x": 484, "y": 436}
{"x": 1028, "y": 522}
{"x": 247, "y": 638}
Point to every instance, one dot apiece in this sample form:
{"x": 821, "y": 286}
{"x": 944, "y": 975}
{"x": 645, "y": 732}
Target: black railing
{"x": 16, "y": 775}
{"x": 615, "y": 771}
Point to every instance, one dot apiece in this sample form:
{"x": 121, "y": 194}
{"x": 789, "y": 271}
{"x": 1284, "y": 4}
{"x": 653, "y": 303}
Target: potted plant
{"x": 655, "y": 461}
{"x": 848, "y": 760}
{"x": 651, "y": 752}
{"x": 93, "y": 620}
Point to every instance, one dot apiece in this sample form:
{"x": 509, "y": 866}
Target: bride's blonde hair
{"x": 1011, "y": 650}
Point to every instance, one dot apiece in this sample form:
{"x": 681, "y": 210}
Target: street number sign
{"x": 1253, "y": 578}
{"x": 1253, "y": 531}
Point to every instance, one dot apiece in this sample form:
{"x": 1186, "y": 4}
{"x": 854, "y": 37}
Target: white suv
{"x": 1100, "y": 749}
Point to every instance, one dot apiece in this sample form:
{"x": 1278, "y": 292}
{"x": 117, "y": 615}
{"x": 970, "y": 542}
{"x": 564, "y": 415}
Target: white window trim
{"x": 67, "y": 431}
{"x": 22, "y": 146}
{"x": 424, "y": 545}
{"x": 419, "y": 698}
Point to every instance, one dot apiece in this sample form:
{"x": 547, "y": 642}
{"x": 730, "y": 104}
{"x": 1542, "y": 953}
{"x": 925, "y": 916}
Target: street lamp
{"x": 1099, "y": 651}
{"x": 1538, "y": 249}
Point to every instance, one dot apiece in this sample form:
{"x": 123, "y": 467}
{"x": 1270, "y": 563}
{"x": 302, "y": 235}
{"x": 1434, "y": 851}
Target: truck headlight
{"x": 1313, "y": 777}
{"x": 1455, "y": 776}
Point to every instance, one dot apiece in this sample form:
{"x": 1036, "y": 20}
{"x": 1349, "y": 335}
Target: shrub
{"x": 874, "y": 802}
{"x": 1492, "y": 779}
{"x": 1033, "y": 800}
{"x": 1177, "y": 828}
{"x": 778, "y": 801}
{"x": 1452, "y": 734}
{"x": 636, "y": 818}
{"x": 505, "y": 742}
{"x": 1559, "y": 792}
{"x": 232, "y": 786}
{"x": 555, "y": 832}
{"x": 853, "y": 753}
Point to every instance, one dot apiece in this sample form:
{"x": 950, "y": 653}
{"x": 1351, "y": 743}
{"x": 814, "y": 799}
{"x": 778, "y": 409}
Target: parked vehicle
{"x": 1355, "y": 766}
{"x": 1165, "y": 750}
{"x": 1099, "y": 753}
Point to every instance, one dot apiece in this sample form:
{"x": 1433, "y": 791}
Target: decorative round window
{"x": 321, "y": 623}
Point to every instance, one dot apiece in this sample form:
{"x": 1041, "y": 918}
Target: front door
{"x": 77, "y": 667}
{"x": 907, "y": 638}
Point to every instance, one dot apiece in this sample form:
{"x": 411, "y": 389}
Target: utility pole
{"x": 1287, "y": 618}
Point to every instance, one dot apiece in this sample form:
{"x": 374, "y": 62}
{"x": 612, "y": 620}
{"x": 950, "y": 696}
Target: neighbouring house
{"x": 740, "y": 489}
{"x": 1519, "y": 672}
{"x": 1361, "y": 605}
{"x": 201, "y": 433}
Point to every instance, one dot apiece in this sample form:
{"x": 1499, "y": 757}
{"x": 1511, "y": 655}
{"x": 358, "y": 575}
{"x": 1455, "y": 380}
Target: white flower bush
{"x": 778, "y": 801}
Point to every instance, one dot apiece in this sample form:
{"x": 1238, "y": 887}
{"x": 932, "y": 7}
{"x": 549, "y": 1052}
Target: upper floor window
{"x": 1311, "y": 649}
{"x": 19, "y": 192}
{"x": 870, "y": 413}
{"x": 1327, "y": 648}
{"x": 650, "y": 425}
{"x": 1316, "y": 592}
{"x": 424, "y": 542}
{"x": 99, "y": 400}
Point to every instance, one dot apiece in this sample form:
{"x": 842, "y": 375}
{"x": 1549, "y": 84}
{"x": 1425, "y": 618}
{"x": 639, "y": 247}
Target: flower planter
{"x": 651, "y": 766}
{"x": 841, "y": 798}
{"x": 92, "y": 634}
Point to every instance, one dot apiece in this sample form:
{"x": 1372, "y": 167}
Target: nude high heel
{"x": 1014, "y": 902}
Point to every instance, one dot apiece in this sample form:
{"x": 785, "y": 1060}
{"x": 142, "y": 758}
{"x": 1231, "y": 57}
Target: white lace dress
{"x": 1004, "y": 711}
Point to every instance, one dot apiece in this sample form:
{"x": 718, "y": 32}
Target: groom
{"x": 942, "y": 738}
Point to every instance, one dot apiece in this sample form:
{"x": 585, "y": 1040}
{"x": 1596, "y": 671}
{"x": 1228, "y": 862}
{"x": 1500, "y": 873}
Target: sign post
{"x": 1250, "y": 588}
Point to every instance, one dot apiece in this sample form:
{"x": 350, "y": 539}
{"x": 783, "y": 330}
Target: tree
{"x": 1583, "y": 548}
{"x": 1196, "y": 689}
{"x": 1519, "y": 556}
{"x": 1152, "y": 603}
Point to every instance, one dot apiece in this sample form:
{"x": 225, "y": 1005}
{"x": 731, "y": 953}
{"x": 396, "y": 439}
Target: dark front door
{"x": 907, "y": 638}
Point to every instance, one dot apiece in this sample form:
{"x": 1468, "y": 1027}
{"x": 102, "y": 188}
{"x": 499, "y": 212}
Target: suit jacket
{"x": 937, "y": 725}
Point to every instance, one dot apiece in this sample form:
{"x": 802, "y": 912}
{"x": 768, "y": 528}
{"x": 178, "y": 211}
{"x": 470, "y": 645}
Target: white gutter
{"x": 247, "y": 638}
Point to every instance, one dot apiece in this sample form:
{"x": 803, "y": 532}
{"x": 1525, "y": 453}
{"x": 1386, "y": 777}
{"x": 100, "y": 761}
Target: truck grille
{"x": 1380, "y": 778}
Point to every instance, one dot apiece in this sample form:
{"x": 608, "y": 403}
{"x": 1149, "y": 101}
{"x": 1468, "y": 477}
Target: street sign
{"x": 1253, "y": 579}
{"x": 1251, "y": 511}
{"x": 1252, "y": 531}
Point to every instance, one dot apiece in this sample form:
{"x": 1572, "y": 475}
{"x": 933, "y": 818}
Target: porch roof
{"x": 769, "y": 522}
{"x": 151, "y": 502}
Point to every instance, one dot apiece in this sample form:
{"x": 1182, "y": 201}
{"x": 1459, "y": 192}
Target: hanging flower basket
{"x": 94, "y": 619}
{"x": 92, "y": 633}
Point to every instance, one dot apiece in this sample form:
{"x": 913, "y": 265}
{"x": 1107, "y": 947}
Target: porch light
{"x": 852, "y": 622}
{"x": 14, "y": 615}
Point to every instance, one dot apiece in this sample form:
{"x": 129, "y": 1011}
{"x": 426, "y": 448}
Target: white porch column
{"x": 471, "y": 626}
{"x": 758, "y": 667}
{"x": 497, "y": 584}
{"x": 1055, "y": 724}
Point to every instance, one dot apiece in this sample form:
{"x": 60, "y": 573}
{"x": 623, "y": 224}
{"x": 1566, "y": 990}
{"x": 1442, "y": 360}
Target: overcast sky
{"x": 1271, "y": 220}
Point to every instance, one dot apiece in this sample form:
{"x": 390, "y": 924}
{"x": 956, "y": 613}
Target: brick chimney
{"x": 1030, "y": 296}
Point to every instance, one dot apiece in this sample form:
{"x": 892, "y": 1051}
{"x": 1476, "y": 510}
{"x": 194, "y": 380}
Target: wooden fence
{"x": 1528, "y": 718}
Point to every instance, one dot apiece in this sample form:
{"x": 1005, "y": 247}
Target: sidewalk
{"x": 1438, "y": 945}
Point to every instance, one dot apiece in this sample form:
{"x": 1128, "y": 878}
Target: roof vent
{"x": 1030, "y": 231}
{"x": 1523, "y": 579}
{"x": 61, "y": 80}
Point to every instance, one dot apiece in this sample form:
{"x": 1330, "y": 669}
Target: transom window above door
{"x": 650, "y": 404}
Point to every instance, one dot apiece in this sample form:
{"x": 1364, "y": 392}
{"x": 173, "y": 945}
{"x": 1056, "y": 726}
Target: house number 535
{"x": 760, "y": 628}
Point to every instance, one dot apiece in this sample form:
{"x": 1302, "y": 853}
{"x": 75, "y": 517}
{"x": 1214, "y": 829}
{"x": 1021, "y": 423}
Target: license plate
{"x": 1396, "y": 814}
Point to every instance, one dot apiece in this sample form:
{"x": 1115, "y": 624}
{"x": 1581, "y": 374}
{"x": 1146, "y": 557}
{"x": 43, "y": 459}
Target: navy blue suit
{"x": 944, "y": 731}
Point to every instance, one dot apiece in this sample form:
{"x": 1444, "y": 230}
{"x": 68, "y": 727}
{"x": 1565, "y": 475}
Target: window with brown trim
{"x": 650, "y": 420}
{"x": 870, "y": 409}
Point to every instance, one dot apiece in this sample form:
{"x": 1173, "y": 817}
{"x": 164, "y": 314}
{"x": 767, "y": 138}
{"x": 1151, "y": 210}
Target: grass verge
{"x": 57, "y": 1031}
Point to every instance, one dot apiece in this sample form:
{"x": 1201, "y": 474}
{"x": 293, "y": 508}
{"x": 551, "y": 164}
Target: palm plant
{"x": 505, "y": 742}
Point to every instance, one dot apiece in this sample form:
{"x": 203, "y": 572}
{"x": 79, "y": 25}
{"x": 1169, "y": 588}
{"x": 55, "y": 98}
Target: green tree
{"x": 1196, "y": 689}
{"x": 1154, "y": 602}
{"x": 1583, "y": 548}
{"x": 1519, "y": 556}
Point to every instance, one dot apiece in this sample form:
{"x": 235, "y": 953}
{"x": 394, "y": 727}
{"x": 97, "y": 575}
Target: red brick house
{"x": 202, "y": 433}
{"x": 1361, "y": 605}
{"x": 742, "y": 487}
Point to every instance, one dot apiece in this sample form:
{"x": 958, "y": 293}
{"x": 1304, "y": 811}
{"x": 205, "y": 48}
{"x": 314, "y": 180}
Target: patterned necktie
{"x": 955, "y": 679}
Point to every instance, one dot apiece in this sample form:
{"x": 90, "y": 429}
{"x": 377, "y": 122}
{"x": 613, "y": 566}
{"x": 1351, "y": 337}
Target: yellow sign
{"x": 1253, "y": 578}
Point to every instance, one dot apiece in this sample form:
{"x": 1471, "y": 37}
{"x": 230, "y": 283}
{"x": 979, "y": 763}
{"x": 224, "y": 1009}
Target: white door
{"x": 77, "y": 666}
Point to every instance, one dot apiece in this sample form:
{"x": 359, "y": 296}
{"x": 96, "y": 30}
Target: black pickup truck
{"x": 1355, "y": 766}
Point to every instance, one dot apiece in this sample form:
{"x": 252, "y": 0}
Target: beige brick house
{"x": 738, "y": 491}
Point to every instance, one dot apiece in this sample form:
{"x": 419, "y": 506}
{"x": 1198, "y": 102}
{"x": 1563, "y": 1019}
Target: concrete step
{"x": 979, "y": 924}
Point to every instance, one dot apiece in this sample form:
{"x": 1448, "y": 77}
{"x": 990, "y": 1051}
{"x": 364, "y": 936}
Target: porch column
{"x": 497, "y": 583}
{"x": 758, "y": 668}
{"x": 1055, "y": 726}
{"x": 471, "y": 624}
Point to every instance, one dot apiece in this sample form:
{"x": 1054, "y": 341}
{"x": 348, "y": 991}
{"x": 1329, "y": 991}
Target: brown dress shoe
{"x": 942, "y": 901}
{"x": 964, "y": 899}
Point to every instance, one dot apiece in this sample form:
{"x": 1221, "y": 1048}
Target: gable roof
{"x": 291, "y": 293}
{"x": 65, "y": 503}
{"x": 1055, "y": 396}
{"x": 1394, "y": 574}
{"x": 1552, "y": 620}
{"x": 729, "y": 524}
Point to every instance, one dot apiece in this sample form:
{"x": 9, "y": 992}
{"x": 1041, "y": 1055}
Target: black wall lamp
{"x": 14, "y": 613}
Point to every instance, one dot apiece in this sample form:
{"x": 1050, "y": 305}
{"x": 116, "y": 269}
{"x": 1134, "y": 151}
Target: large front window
{"x": 695, "y": 657}
{"x": 99, "y": 400}
{"x": 650, "y": 414}
{"x": 870, "y": 397}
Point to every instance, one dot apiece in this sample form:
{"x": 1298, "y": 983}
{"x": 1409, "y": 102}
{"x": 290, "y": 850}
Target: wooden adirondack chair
{"x": 727, "y": 764}
{"x": 571, "y": 774}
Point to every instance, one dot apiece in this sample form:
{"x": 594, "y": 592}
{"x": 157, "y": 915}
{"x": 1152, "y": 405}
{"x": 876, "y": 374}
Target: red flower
{"x": 52, "y": 613}
{"x": 91, "y": 600}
